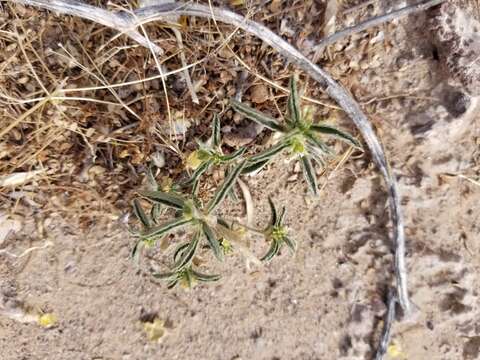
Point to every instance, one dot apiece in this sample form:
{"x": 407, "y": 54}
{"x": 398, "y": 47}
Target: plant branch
{"x": 387, "y": 326}
{"x": 375, "y": 21}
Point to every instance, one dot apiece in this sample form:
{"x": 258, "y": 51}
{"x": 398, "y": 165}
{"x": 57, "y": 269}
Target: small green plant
{"x": 189, "y": 213}
{"x": 186, "y": 276}
{"x": 209, "y": 154}
{"x": 219, "y": 234}
{"x": 276, "y": 233}
{"x": 299, "y": 135}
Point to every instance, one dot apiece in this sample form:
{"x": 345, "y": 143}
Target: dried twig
{"x": 387, "y": 326}
{"x": 375, "y": 21}
{"x": 461, "y": 176}
{"x": 27, "y": 251}
{"x": 178, "y": 36}
{"x": 126, "y": 23}
{"x": 183, "y": 59}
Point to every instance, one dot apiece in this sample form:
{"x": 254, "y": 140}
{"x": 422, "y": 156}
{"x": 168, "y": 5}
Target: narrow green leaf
{"x": 310, "y": 175}
{"x": 316, "y": 154}
{"x": 216, "y": 139}
{"x": 195, "y": 187}
{"x": 135, "y": 253}
{"x": 272, "y": 251}
{"x": 290, "y": 243}
{"x": 293, "y": 101}
{"x": 165, "y": 228}
{"x": 269, "y": 153}
{"x": 172, "y": 284}
{"x": 187, "y": 255}
{"x": 252, "y": 167}
{"x": 212, "y": 241}
{"x": 317, "y": 143}
{"x": 199, "y": 171}
{"x": 231, "y": 194}
{"x": 234, "y": 155}
{"x": 140, "y": 214}
{"x": 226, "y": 186}
{"x": 188, "y": 276}
{"x": 196, "y": 201}
{"x": 281, "y": 218}
{"x": 257, "y": 116}
{"x": 179, "y": 250}
{"x": 161, "y": 197}
{"x": 331, "y": 130}
{"x": 274, "y": 219}
{"x": 205, "y": 277}
{"x": 156, "y": 212}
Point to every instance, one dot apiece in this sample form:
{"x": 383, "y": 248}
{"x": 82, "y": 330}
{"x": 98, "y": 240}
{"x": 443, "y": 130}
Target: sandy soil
{"x": 326, "y": 302}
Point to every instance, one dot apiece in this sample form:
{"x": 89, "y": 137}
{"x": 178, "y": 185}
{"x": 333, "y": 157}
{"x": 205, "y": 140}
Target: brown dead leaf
{"x": 259, "y": 94}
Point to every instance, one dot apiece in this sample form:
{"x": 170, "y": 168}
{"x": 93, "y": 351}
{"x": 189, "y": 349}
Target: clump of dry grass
{"x": 93, "y": 144}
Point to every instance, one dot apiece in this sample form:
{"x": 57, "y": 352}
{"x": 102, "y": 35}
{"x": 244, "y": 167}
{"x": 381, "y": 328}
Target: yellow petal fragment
{"x": 47, "y": 320}
{"x": 395, "y": 352}
{"x": 193, "y": 160}
{"x": 237, "y": 2}
{"x": 166, "y": 184}
{"x": 154, "y": 330}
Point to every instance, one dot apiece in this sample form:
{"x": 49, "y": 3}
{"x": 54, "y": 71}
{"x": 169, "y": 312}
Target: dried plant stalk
{"x": 375, "y": 21}
{"x": 387, "y": 326}
{"x": 178, "y": 36}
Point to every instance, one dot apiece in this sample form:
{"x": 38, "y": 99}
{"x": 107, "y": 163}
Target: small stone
{"x": 297, "y": 168}
{"x": 158, "y": 159}
{"x": 237, "y": 118}
{"x": 96, "y": 170}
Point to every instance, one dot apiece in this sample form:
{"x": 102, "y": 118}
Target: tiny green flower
{"x": 277, "y": 233}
